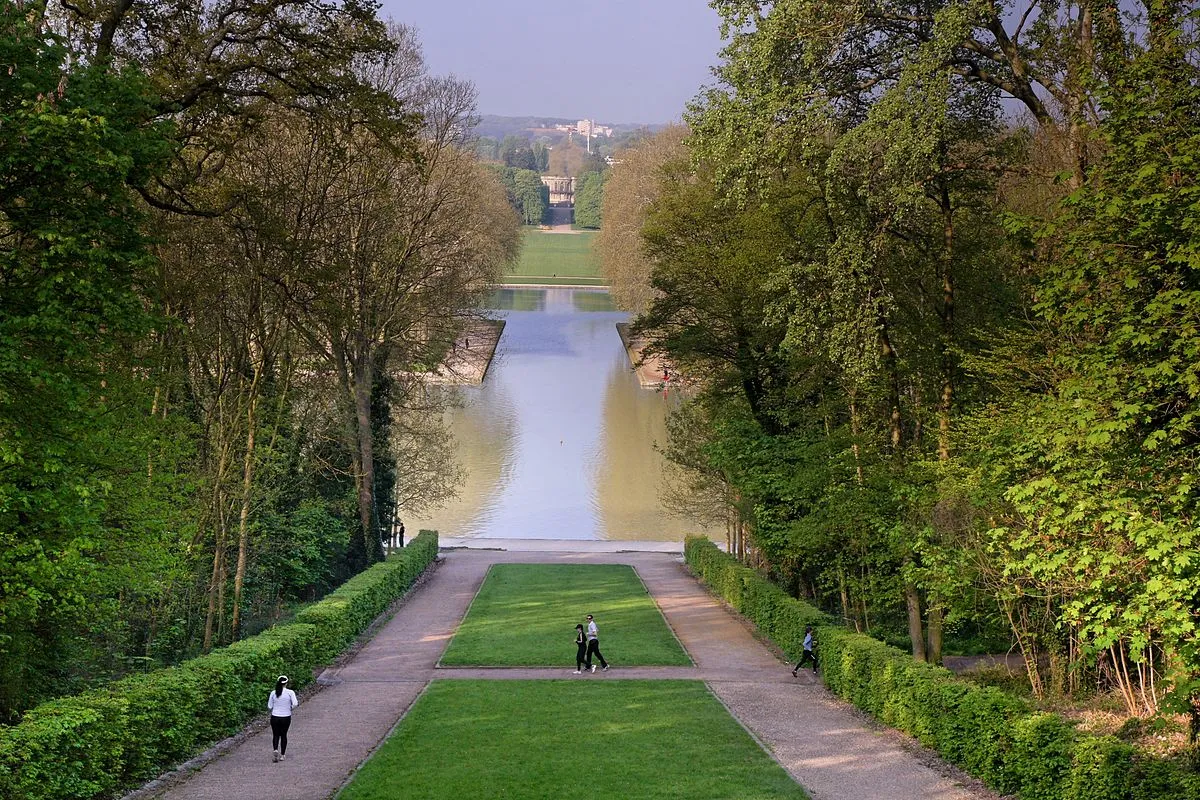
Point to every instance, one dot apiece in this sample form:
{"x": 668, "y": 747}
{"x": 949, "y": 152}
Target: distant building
{"x": 562, "y": 189}
{"x": 588, "y": 127}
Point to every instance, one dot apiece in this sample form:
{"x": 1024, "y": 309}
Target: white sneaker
{"x": 593, "y": 667}
{"x": 577, "y": 672}
{"x": 606, "y": 667}
{"x": 282, "y": 757}
{"x": 275, "y": 755}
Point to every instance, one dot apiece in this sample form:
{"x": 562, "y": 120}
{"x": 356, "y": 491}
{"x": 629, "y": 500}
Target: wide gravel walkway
{"x": 822, "y": 742}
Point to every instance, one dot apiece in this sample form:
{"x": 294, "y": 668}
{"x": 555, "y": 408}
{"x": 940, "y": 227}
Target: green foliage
{"x": 81, "y": 520}
{"x": 589, "y": 194}
{"x": 1098, "y": 461}
{"x": 992, "y": 735}
{"x": 526, "y": 192}
{"x": 90, "y": 745}
{"x": 518, "y": 155}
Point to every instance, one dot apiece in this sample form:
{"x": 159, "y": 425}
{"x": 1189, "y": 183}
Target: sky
{"x": 614, "y": 61}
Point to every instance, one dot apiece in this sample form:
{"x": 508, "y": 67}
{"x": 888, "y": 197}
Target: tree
{"x": 516, "y": 153}
{"x": 399, "y": 251}
{"x": 589, "y": 193}
{"x": 632, "y": 186}
{"x": 72, "y": 262}
{"x": 531, "y": 195}
{"x": 1096, "y": 455}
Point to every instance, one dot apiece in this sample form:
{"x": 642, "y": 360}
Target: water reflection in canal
{"x": 559, "y": 441}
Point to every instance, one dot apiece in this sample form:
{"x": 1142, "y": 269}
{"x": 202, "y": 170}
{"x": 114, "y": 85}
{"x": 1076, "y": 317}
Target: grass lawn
{"x": 556, "y": 258}
{"x": 525, "y": 616}
{"x": 648, "y": 740}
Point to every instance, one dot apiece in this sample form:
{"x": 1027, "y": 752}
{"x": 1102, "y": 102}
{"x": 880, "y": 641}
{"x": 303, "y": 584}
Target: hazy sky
{"x": 608, "y": 60}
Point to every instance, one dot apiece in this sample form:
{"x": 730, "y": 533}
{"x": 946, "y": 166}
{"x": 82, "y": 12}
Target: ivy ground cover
{"x": 637, "y": 740}
{"x": 525, "y": 615}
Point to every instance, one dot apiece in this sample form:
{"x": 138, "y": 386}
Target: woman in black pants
{"x": 281, "y": 702}
{"x": 580, "y": 649}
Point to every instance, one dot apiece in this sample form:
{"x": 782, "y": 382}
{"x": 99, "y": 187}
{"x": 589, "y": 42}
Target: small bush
{"x": 993, "y": 735}
{"x": 94, "y": 744}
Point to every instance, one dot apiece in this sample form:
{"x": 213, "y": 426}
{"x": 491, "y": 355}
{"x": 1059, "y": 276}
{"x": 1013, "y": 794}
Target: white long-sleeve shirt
{"x": 282, "y": 705}
{"x": 593, "y": 632}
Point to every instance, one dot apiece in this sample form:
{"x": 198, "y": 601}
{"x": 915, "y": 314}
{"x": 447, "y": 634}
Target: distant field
{"x": 525, "y": 614}
{"x": 556, "y": 258}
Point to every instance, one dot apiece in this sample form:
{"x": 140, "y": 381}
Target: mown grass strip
{"x": 556, "y": 258}
{"x": 525, "y": 615}
{"x": 635, "y": 740}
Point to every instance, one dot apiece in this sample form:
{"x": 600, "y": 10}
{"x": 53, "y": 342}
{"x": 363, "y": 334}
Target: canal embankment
{"x": 467, "y": 361}
{"x": 652, "y": 370}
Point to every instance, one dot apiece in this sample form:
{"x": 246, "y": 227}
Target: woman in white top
{"x": 281, "y": 702}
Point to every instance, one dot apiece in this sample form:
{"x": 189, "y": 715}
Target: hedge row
{"x": 994, "y": 736}
{"x": 97, "y": 743}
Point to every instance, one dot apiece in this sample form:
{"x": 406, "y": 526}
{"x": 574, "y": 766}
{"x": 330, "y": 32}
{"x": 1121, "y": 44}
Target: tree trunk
{"x": 373, "y": 547}
{"x": 934, "y": 624}
{"x": 847, "y": 612}
{"x": 218, "y": 567}
{"x": 947, "y": 320}
{"x": 854, "y": 428}
{"x": 891, "y": 368}
{"x": 239, "y": 575}
{"x": 915, "y": 627}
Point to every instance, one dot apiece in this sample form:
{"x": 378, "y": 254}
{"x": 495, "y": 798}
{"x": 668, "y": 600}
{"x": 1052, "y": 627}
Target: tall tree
{"x": 72, "y": 263}
{"x": 589, "y": 193}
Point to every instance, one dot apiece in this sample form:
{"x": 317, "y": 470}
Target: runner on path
{"x": 593, "y": 645}
{"x": 808, "y": 652}
{"x": 281, "y": 702}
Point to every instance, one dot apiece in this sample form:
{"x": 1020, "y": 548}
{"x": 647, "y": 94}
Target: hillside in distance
{"x": 497, "y": 126}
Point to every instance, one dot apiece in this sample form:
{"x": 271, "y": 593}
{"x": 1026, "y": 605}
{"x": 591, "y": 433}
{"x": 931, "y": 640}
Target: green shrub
{"x": 96, "y": 743}
{"x": 995, "y": 736}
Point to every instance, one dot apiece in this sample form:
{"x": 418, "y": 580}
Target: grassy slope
{"x": 556, "y": 258}
{"x": 635, "y": 740}
{"x": 525, "y": 615}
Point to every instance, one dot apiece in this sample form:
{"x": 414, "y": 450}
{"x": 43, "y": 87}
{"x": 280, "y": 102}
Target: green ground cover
{"x": 556, "y": 258}
{"x": 525, "y": 615}
{"x": 566, "y": 738}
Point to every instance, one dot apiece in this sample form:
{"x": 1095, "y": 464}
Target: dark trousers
{"x": 808, "y": 654}
{"x": 279, "y": 726}
{"x": 594, "y": 648}
{"x": 580, "y": 656}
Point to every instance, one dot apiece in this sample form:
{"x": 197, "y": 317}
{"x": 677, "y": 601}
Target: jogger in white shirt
{"x": 593, "y": 645}
{"x": 281, "y": 702}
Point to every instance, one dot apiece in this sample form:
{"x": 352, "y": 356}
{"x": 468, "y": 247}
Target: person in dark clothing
{"x": 580, "y": 649}
{"x": 593, "y": 645}
{"x": 808, "y": 651}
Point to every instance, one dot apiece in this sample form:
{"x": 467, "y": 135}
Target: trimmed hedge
{"x": 992, "y": 735}
{"x": 97, "y": 743}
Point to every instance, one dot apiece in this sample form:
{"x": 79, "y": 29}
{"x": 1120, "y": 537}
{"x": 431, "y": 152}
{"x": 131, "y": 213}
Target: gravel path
{"x": 825, "y": 744}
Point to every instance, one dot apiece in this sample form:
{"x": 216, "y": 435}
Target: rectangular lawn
{"x": 525, "y": 614}
{"x": 556, "y": 258}
{"x": 643, "y": 740}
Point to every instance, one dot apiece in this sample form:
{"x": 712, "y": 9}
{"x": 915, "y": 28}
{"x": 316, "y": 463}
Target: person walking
{"x": 593, "y": 645}
{"x": 580, "y": 649}
{"x": 808, "y": 651}
{"x": 281, "y": 702}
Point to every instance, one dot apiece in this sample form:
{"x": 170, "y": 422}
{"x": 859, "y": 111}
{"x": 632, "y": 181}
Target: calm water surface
{"x": 558, "y": 443}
